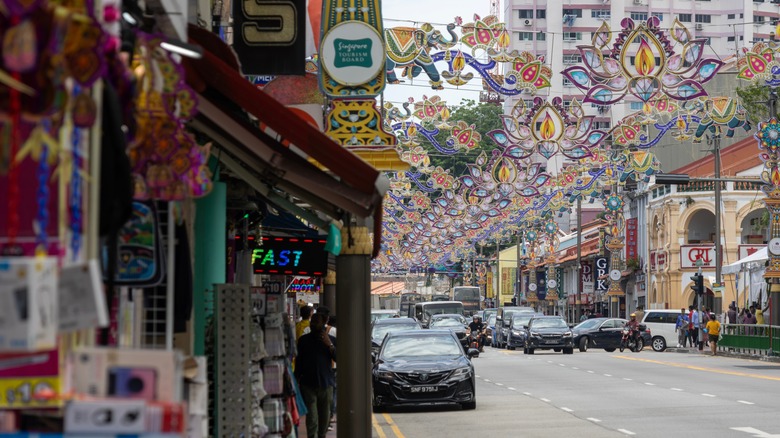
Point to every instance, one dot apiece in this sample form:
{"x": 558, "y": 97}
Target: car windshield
{"x": 589, "y": 323}
{"x": 446, "y": 322}
{"x": 491, "y": 320}
{"x": 549, "y": 323}
{"x": 383, "y": 315}
{"x": 421, "y": 346}
{"x": 438, "y": 309}
{"x": 381, "y": 330}
{"x": 521, "y": 319}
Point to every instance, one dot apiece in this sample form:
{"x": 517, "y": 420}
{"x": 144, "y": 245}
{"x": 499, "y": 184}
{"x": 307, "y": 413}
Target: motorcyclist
{"x": 633, "y": 324}
{"x": 476, "y": 326}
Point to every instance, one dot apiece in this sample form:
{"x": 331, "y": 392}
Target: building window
{"x": 759, "y": 18}
{"x": 572, "y": 36}
{"x": 526, "y": 36}
{"x": 566, "y": 82}
{"x": 732, "y": 16}
{"x": 541, "y": 13}
{"x": 730, "y": 39}
{"x": 601, "y": 125}
{"x": 541, "y": 36}
{"x": 603, "y": 14}
{"x": 635, "y": 106}
{"x": 741, "y": 15}
{"x": 703, "y": 18}
{"x": 526, "y": 13}
{"x": 742, "y": 37}
{"x": 575, "y": 12}
{"x": 571, "y": 59}
{"x": 707, "y": 41}
{"x": 639, "y": 16}
{"x": 658, "y": 15}
{"x": 684, "y": 18}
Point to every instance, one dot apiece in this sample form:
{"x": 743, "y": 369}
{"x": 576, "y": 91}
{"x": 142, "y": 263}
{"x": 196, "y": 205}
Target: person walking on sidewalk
{"x": 681, "y": 327}
{"x": 713, "y": 330}
{"x": 314, "y": 371}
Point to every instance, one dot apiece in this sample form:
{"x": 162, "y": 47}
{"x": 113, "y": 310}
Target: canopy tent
{"x": 752, "y": 262}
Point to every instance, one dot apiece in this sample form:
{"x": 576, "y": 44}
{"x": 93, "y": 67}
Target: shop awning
{"x": 226, "y": 97}
{"x": 589, "y": 247}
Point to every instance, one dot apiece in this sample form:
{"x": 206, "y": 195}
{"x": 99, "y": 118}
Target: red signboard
{"x": 746, "y": 250}
{"x": 632, "y": 226}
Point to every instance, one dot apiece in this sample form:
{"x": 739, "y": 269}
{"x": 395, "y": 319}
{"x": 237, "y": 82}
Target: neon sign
{"x": 304, "y": 284}
{"x": 290, "y": 256}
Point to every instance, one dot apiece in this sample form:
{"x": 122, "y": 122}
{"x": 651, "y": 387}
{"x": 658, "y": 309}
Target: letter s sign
{"x": 270, "y": 36}
{"x": 268, "y": 23}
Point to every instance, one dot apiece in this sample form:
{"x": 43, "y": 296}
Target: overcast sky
{"x": 405, "y": 13}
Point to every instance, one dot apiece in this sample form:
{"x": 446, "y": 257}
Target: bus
{"x": 408, "y": 300}
{"x": 423, "y": 312}
{"x": 469, "y": 296}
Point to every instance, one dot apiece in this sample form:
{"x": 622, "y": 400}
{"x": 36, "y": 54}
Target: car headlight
{"x": 567, "y": 335}
{"x": 517, "y": 333}
{"x": 385, "y": 375}
{"x": 536, "y": 335}
{"x": 460, "y": 374}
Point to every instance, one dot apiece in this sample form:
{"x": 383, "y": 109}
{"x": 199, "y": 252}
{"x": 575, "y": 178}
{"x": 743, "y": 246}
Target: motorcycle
{"x": 634, "y": 344}
{"x": 474, "y": 341}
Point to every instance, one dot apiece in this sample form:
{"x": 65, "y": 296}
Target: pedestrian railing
{"x": 762, "y": 340}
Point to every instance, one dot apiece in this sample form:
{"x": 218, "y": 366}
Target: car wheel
{"x": 568, "y": 350}
{"x": 530, "y": 351}
{"x": 609, "y": 350}
{"x": 557, "y": 350}
{"x": 469, "y": 405}
{"x": 509, "y": 347}
{"x": 378, "y": 408}
{"x": 584, "y": 344}
{"x": 659, "y": 344}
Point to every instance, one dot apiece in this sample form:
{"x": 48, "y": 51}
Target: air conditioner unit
{"x": 699, "y": 26}
{"x": 528, "y": 22}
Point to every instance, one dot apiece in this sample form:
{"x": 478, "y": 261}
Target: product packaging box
{"x": 28, "y": 299}
{"x": 151, "y": 375}
{"x": 119, "y": 416}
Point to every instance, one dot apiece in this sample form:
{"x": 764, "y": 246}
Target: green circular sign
{"x": 352, "y": 53}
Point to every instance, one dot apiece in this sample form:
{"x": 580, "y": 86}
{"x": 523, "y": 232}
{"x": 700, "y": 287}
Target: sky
{"x": 406, "y": 13}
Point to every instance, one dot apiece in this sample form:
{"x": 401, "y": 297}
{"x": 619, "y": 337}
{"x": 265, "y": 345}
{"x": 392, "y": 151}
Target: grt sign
{"x": 290, "y": 256}
{"x": 689, "y": 254}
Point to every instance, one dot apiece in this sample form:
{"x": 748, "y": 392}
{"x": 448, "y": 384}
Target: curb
{"x": 761, "y": 357}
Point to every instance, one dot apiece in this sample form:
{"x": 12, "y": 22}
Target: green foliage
{"x": 485, "y": 118}
{"x": 632, "y": 263}
{"x": 754, "y": 98}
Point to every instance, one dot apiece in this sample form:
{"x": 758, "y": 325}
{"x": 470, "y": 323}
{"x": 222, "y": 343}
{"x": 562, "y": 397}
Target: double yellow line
{"x": 389, "y": 420}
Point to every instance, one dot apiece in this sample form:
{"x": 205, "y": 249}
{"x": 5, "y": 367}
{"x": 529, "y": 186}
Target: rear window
{"x": 662, "y": 317}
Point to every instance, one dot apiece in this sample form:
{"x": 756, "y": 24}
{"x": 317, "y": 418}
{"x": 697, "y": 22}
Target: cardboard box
{"x": 28, "y": 297}
{"x": 116, "y": 416}
{"x": 82, "y": 299}
{"x": 151, "y": 375}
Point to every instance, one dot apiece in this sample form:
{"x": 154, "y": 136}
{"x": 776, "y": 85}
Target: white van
{"x": 661, "y": 323}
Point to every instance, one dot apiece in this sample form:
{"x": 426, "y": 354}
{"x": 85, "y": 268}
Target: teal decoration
{"x": 333, "y": 244}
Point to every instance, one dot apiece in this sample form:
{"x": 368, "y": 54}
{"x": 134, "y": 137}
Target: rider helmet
{"x": 633, "y": 315}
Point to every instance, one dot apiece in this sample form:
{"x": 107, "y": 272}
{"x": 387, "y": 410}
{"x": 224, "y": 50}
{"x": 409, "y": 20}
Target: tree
{"x": 754, "y": 98}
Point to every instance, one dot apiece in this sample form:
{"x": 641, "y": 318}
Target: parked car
{"x": 383, "y": 314}
{"x": 491, "y": 331}
{"x": 419, "y": 367}
{"x": 504, "y": 319}
{"x": 457, "y": 324}
{"x": 603, "y": 333}
{"x": 548, "y": 333}
{"x": 382, "y": 327}
{"x": 517, "y": 333}
{"x": 661, "y": 323}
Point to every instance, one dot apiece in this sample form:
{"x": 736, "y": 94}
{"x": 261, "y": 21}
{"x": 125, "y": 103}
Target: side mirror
{"x": 472, "y": 353}
{"x": 373, "y": 357}
{"x": 525, "y": 327}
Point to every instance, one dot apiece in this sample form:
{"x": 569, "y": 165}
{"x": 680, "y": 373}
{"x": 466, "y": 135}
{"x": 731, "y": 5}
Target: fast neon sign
{"x": 290, "y": 256}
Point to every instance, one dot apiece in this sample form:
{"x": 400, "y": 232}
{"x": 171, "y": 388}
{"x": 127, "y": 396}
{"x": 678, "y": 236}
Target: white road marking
{"x": 595, "y": 420}
{"x": 745, "y": 402}
{"x": 675, "y": 389}
{"x": 546, "y": 400}
{"x": 649, "y": 384}
{"x": 477, "y": 376}
{"x": 626, "y": 378}
{"x": 607, "y": 375}
{"x": 755, "y": 432}
{"x": 562, "y": 364}
{"x": 708, "y": 395}
{"x": 574, "y": 368}
{"x": 487, "y": 380}
{"x": 590, "y": 372}
{"x": 510, "y": 388}
{"x": 567, "y": 410}
{"x": 549, "y": 361}
{"x": 526, "y": 393}
{"x": 499, "y": 384}
{"x": 627, "y": 432}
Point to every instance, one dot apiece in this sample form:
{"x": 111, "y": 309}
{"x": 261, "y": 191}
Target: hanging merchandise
{"x": 167, "y": 162}
{"x": 140, "y": 260}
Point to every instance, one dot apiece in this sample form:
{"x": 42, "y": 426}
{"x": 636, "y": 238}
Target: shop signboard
{"x": 631, "y": 238}
{"x": 290, "y": 256}
{"x": 691, "y": 254}
{"x": 658, "y": 260}
{"x": 586, "y": 277}
{"x": 746, "y": 250}
{"x": 352, "y": 53}
{"x": 30, "y": 380}
{"x": 270, "y": 36}
{"x": 601, "y": 265}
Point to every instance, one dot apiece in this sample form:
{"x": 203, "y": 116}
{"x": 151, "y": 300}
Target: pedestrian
{"x": 640, "y": 313}
{"x": 713, "y": 331}
{"x": 585, "y": 315}
{"x": 302, "y": 327}
{"x": 704, "y": 319}
{"x": 759, "y": 312}
{"x": 331, "y": 330}
{"x": 681, "y": 327}
{"x": 693, "y": 326}
{"x": 731, "y": 315}
{"x": 314, "y": 371}
{"x": 750, "y": 317}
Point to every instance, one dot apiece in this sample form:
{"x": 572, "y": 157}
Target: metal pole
{"x": 578, "y": 302}
{"x": 518, "y": 275}
{"x": 773, "y": 286}
{"x": 701, "y": 334}
{"x": 718, "y": 249}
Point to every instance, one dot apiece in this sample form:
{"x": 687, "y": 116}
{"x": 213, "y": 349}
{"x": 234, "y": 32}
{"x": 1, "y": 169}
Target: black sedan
{"x": 604, "y": 333}
{"x": 517, "y": 331}
{"x": 548, "y": 333}
{"x": 453, "y": 322}
{"x": 423, "y": 367}
{"x": 381, "y": 327}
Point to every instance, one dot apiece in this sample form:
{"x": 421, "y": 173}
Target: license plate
{"x": 424, "y": 389}
{"x": 551, "y": 341}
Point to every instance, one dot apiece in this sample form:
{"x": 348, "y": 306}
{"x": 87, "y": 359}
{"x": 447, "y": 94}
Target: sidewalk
{"x": 302, "y": 429}
{"x": 724, "y": 353}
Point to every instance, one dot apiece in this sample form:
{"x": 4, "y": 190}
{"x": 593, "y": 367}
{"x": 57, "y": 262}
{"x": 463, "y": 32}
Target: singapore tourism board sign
{"x": 352, "y": 53}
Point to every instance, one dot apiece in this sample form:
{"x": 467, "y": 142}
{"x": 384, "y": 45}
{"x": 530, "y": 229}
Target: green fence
{"x": 750, "y": 339}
